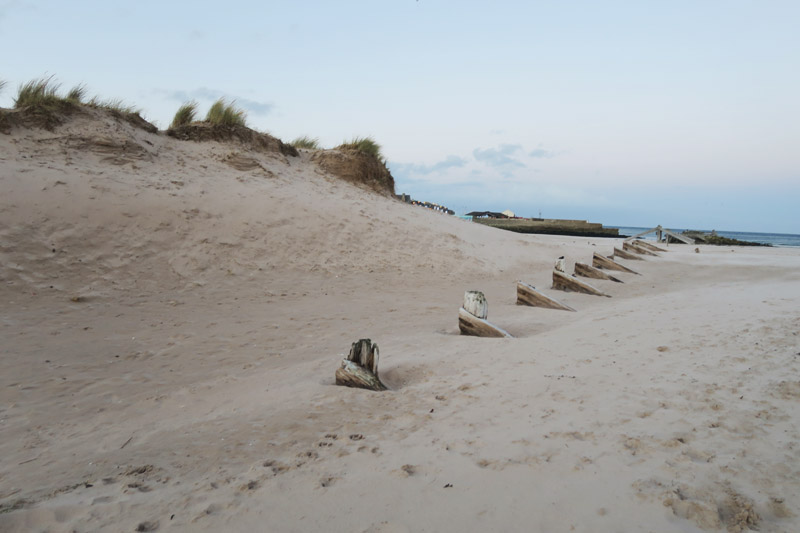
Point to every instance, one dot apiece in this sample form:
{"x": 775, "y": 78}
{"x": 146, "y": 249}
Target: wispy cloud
{"x": 204, "y": 93}
{"x": 451, "y": 161}
{"x": 499, "y": 157}
{"x": 542, "y": 153}
{"x": 9, "y": 6}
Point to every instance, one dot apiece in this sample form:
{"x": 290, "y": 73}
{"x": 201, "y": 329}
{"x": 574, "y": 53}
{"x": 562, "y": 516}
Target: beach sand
{"x": 171, "y": 324}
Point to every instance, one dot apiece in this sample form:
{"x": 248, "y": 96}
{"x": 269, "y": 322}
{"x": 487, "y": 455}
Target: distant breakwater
{"x": 577, "y": 228}
{"x": 775, "y": 239}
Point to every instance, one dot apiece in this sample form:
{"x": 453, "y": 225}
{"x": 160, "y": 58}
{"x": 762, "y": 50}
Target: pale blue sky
{"x": 680, "y": 113}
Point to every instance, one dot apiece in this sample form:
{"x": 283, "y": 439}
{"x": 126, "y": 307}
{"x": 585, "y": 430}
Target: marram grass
{"x": 309, "y": 143}
{"x": 222, "y": 113}
{"x": 366, "y": 145}
{"x": 77, "y": 94}
{"x": 114, "y": 104}
{"x": 186, "y": 114}
{"x": 41, "y": 93}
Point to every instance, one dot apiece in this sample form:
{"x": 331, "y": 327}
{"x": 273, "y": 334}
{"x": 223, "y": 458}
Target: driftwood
{"x": 626, "y": 255}
{"x": 567, "y": 283}
{"x": 587, "y": 271}
{"x": 649, "y": 246}
{"x": 469, "y": 324}
{"x": 599, "y": 261}
{"x": 633, "y": 247}
{"x": 360, "y": 369}
{"x": 475, "y": 303}
{"x": 528, "y": 295}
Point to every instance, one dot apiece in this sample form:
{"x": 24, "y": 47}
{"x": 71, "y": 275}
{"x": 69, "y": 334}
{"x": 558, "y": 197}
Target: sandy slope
{"x": 171, "y": 323}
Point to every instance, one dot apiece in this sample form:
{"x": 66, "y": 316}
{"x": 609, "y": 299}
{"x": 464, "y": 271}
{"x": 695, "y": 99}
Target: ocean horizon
{"x": 774, "y": 239}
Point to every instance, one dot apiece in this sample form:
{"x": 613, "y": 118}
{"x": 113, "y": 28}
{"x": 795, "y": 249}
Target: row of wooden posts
{"x": 360, "y": 368}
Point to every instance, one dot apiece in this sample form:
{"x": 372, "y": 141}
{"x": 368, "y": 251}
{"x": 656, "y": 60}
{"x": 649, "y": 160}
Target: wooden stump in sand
{"x": 630, "y": 246}
{"x": 587, "y": 271}
{"x": 528, "y": 295}
{"x": 567, "y": 283}
{"x": 472, "y": 317}
{"x": 598, "y": 261}
{"x": 360, "y": 369}
{"x": 626, "y": 255}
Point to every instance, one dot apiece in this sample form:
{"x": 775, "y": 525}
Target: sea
{"x": 775, "y": 239}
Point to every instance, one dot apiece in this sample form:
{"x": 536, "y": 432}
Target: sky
{"x": 628, "y": 113}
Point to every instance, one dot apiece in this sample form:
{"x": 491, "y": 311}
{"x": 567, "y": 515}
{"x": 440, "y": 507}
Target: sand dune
{"x": 173, "y": 314}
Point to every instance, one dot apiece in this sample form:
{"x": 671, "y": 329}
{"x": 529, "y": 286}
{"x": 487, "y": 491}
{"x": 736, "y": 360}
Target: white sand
{"x": 190, "y": 386}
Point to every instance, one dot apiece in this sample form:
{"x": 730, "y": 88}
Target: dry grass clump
{"x": 77, "y": 94}
{"x": 359, "y": 161}
{"x": 39, "y": 103}
{"x": 5, "y": 123}
{"x": 41, "y": 94}
{"x": 309, "y": 143}
{"x": 186, "y": 114}
{"x": 116, "y": 105}
{"x": 366, "y": 145}
{"x": 225, "y": 114}
{"x": 118, "y": 108}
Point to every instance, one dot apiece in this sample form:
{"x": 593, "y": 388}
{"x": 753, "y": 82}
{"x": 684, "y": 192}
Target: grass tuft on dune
{"x": 223, "y": 113}
{"x": 41, "y": 94}
{"x": 115, "y": 105}
{"x": 309, "y": 143}
{"x": 77, "y": 94}
{"x": 186, "y": 114}
{"x": 366, "y": 145}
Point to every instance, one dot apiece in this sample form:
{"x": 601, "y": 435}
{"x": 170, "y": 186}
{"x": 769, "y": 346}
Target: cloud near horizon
{"x": 451, "y": 161}
{"x": 499, "y": 157}
{"x": 204, "y": 93}
{"x": 507, "y": 162}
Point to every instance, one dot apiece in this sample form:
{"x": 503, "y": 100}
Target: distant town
{"x": 436, "y": 207}
{"x": 507, "y": 220}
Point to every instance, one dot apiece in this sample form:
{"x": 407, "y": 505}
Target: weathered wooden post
{"x": 599, "y": 261}
{"x": 360, "y": 369}
{"x": 561, "y": 264}
{"x": 649, "y": 246}
{"x": 568, "y": 283}
{"x": 528, "y": 295}
{"x": 472, "y": 317}
{"x": 588, "y": 271}
{"x": 626, "y": 255}
{"x": 630, "y": 246}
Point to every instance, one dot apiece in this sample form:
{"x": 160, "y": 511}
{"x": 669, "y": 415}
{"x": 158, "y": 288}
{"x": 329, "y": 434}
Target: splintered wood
{"x": 360, "y": 369}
